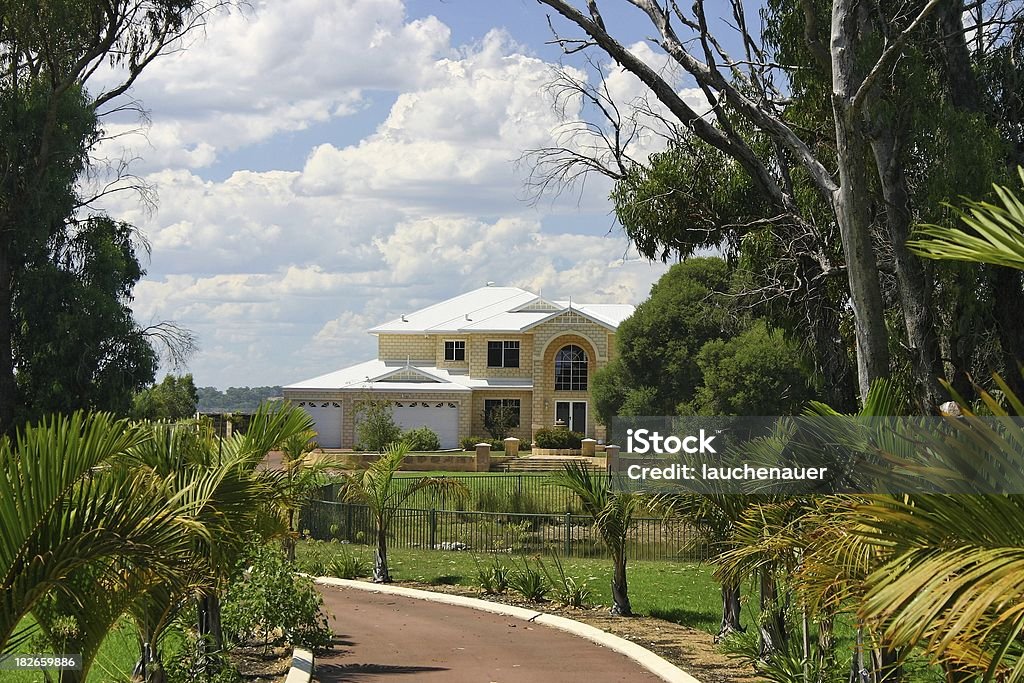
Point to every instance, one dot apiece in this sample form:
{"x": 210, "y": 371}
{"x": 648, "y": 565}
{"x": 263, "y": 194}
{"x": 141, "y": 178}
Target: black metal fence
{"x": 530, "y": 493}
{"x": 570, "y": 535}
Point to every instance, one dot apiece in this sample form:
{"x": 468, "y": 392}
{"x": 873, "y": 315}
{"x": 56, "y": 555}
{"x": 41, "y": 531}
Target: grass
{"x": 680, "y": 592}
{"x": 114, "y": 662}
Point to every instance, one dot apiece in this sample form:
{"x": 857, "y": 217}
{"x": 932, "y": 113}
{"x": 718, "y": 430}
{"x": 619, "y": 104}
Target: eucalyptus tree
{"x": 376, "y": 488}
{"x": 819, "y": 140}
{"x": 49, "y": 127}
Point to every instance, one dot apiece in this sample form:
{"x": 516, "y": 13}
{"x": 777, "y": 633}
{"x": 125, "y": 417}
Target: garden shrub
{"x": 422, "y": 439}
{"x": 493, "y": 579}
{"x": 529, "y": 582}
{"x": 558, "y": 438}
{"x": 570, "y": 592}
{"x": 271, "y": 604}
{"x": 349, "y": 566}
{"x": 375, "y": 425}
{"x": 190, "y": 663}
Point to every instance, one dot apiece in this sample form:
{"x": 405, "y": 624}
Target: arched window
{"x": 571, "y": 369}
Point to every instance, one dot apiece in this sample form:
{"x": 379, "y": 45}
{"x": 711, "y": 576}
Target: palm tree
{"x": 613, "y": 514}
{"x": 376, "y": 488}
{"x": 69, "y": 506}
{"x": 714, "y": 515}
{"x": 240, "y": 502}
{"x": 305, "y": 473}
{"x": 953, "y": 577}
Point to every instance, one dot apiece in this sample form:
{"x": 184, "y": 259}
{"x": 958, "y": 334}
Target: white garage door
{"x": 327, "y": 421}
{"x": 441, "y": 416}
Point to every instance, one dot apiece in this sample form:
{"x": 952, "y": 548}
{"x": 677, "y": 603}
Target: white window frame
{"x": 571, "y": 413}
{"x": 455, "y": 349}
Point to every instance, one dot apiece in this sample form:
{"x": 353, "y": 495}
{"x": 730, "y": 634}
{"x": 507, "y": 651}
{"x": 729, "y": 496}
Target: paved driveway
{"x": 391, "y": 638}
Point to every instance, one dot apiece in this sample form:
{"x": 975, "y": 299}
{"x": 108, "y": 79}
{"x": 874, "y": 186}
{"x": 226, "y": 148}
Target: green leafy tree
{"x": 658, "y": 345}
{"x": 376, "y": 488}
{"x": 49, "y": 125}
{"x": 375, "y": 424}
{"x": 690, "y": 348}
{"x": 175, "y": 398}
{"x": 758, "y": 372}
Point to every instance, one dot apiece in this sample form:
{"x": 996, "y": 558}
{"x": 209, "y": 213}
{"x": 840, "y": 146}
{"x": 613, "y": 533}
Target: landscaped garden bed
{"x": 677, "y": 602}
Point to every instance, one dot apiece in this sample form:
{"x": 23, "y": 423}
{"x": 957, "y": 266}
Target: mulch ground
{"x": 691, "y": 650}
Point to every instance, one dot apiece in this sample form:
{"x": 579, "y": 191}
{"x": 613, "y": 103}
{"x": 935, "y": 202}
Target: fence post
{"x": 348, "y": 522}
{"x": 482, "y": 461}
{"x": 611, "y": 454}
{"x": 568, "y": 534}
{"x": 433, "y": 528}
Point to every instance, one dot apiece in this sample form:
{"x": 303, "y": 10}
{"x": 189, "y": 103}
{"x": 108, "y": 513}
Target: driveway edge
{"x": 301, "y": 670}
{"x": 641, "y": 655}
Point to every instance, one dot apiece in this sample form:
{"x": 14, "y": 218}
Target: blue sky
{"x": 325, "y": 165}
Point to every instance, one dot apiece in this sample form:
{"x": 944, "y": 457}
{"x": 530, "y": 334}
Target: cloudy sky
{"x": 325, "y": 165}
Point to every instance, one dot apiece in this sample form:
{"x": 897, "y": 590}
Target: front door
{"x": 573, "y": 414}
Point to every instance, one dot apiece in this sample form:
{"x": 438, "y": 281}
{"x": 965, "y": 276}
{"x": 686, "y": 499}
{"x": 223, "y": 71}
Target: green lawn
{"x": 114, "y": 663}
{"x": 680, "y": 592}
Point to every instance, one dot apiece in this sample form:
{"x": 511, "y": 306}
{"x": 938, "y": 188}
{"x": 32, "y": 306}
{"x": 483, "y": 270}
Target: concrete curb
{"x": 302, "y": 666}
{"x": 642, "y": 656}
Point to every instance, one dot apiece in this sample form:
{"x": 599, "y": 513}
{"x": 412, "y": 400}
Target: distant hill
{"x": 234, "y": 399}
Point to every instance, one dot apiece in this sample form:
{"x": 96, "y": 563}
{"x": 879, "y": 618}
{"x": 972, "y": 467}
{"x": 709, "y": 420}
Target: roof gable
{"x": 536, "y": 305}
{"x": 408, "y": 374}
{"x": 572, "y": 316}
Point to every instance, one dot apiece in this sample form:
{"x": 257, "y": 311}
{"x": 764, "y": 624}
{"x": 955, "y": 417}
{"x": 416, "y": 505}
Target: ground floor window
{"x": 505, "y": 409}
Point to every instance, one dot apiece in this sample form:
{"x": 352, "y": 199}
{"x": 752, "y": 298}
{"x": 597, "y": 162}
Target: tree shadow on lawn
{"x": 685, "y": 617}
{"x": 446, "y": 580}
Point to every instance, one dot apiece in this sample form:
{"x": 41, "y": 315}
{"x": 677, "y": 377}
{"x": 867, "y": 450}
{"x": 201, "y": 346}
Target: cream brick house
{"x": 445, "y": 365}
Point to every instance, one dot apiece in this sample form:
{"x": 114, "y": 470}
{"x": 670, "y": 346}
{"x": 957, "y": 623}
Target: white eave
{"x": 375, "y": 375}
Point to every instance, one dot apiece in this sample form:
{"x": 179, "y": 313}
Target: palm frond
{"x": 997, "y": 235}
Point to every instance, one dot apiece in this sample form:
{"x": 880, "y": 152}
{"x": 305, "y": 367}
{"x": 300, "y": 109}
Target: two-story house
{"x": 447, "y": 365}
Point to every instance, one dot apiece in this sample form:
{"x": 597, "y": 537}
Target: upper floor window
{"x": 571, "y": 369}
{"x": 455, "y": 350}
{"x": 503, "y": 354}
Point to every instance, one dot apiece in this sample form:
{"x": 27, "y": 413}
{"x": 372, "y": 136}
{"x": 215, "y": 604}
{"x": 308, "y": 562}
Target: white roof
{"x": 497, "y": 309}
{"x": 379, "y": 375}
